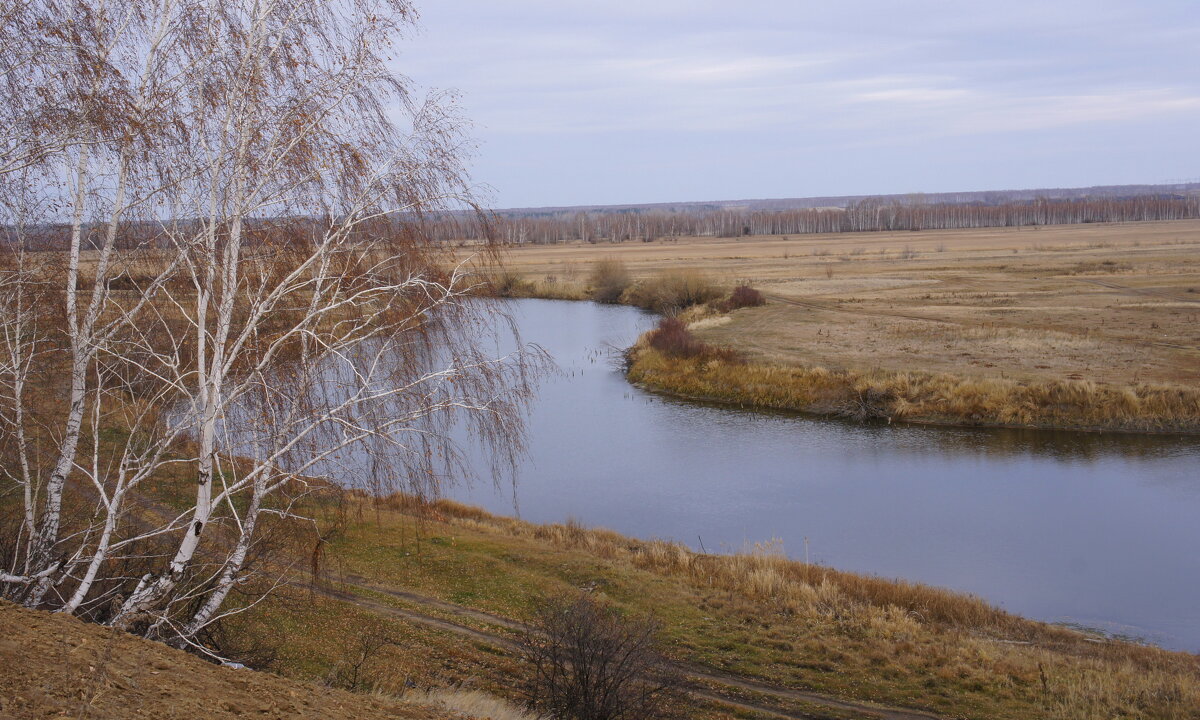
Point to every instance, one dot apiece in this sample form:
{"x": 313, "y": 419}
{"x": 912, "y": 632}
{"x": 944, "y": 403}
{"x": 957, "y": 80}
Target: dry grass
{"x": 1117, "y": 306}
{"x": 922, "y": 397}
{"x": 609, "y": 280}
{"x": 1096, "y": 689}
{"x": 907, "y": 642}
{"x": 763, "y": 573}
{"x": 672, "y": 291}
{"x": 995, "y": 340}
{"x": 473, "y": 703}
{"x": 512, "y": 284}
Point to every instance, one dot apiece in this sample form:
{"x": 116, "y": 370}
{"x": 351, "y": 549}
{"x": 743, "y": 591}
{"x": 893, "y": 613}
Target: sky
{"x": 578, "y": 102}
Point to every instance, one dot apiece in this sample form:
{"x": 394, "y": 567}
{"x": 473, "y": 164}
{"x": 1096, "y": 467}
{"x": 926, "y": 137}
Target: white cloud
{"x": 702, "y": 69}
{"x": 1021, "y": 114}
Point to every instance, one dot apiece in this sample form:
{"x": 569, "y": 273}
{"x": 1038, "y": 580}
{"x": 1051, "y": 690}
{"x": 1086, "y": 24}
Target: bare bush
{"x": 609, "y": 280}
{"x": 590, "y": 663}
{"x": 672, "y": 337}
{"x": 360, "y": 667}
{"x": 741, "y": 297}
{"x": 508, "y": 284}
{"x": 672, "y": 291}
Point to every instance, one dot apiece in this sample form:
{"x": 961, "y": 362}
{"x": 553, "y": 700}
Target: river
{"x": 1101, "y": 531}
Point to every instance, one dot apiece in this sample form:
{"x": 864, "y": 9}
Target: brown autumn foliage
{"x": 672, "y": 291}
{"x": 743, "y": 296}
{"x": 672, "y": 337}
{"x": 609, "y": 280}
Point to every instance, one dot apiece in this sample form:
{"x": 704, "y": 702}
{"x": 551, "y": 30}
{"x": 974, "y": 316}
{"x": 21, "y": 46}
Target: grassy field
{"x": 445, "y": 586}
{"x": 755, "y": 614}
{"x": 1098, "y": 308}
{"x": 442, "y": 590}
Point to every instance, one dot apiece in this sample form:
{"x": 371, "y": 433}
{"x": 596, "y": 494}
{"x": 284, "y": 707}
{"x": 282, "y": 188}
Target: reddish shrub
{"x": 672, "y": 337}
{"x": 743, "y": 296}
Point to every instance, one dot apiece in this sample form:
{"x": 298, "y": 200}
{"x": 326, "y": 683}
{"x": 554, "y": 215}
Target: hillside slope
{"x": 57, "y": 666}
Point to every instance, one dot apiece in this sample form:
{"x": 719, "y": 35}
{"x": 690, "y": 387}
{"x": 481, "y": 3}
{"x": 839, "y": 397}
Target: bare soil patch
{"x": 58, "y": 666}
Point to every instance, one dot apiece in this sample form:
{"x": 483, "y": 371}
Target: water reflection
{"x": 997, "y": 442}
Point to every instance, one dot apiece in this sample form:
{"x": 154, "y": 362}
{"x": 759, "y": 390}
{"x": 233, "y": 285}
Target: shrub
{"x": 359, "y": 667}
{"x": 742, "y": 296}
{"x": 672, "y": 291}
{"x": 609, "y": 280}
{"x": 673, "y": 338}
{"x": 589, "y": 663}
{"x": 507, "y": 283}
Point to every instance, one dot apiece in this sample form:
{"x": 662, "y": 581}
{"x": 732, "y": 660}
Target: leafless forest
{"x": 864, "y": 215}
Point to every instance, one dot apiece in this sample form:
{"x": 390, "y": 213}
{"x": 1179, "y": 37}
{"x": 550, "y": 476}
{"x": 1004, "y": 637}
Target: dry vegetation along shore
{"x": 1088, "y": 326}
{"x": 416, "y": 572}
{"x": 413, "y": 604}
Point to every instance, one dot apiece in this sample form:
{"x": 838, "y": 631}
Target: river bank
{"x": 1086, "y": 328}
{"x": 444, "y": 585}
{"x": 917, "y": 397}
{"x": 966, "y": 508}
{"x": 754, "y": 616}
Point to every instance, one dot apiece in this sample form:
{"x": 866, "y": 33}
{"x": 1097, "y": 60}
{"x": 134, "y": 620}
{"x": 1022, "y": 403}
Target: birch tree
{"x": 88, "y": 102}
{"x": 249, "y": 295}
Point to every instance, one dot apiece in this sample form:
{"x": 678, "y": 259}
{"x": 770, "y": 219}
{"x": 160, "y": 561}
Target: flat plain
{"x": 1110, "y": 303}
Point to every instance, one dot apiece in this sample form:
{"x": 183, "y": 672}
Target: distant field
{"x": 1110, "y": 303}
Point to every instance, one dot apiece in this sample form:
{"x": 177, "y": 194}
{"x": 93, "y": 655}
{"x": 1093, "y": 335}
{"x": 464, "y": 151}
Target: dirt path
{"x": 694, "y": 671}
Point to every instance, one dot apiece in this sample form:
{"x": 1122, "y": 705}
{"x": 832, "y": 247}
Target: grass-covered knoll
{"x": 755, "y": 613}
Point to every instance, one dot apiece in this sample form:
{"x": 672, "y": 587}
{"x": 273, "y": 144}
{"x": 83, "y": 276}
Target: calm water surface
{"x": 1099, "y": 530}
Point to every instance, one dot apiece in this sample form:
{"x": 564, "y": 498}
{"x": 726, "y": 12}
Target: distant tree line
{"x": 867, "y": 215}
{"x": 648, "y": 225}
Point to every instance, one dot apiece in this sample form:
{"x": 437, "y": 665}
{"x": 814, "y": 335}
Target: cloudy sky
{"x": 629, "y": 101}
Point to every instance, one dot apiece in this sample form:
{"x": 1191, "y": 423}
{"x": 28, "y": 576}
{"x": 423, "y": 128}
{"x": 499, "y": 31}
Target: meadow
{"x": 755, "y": 615}
{"x": 1012, "y": 319}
